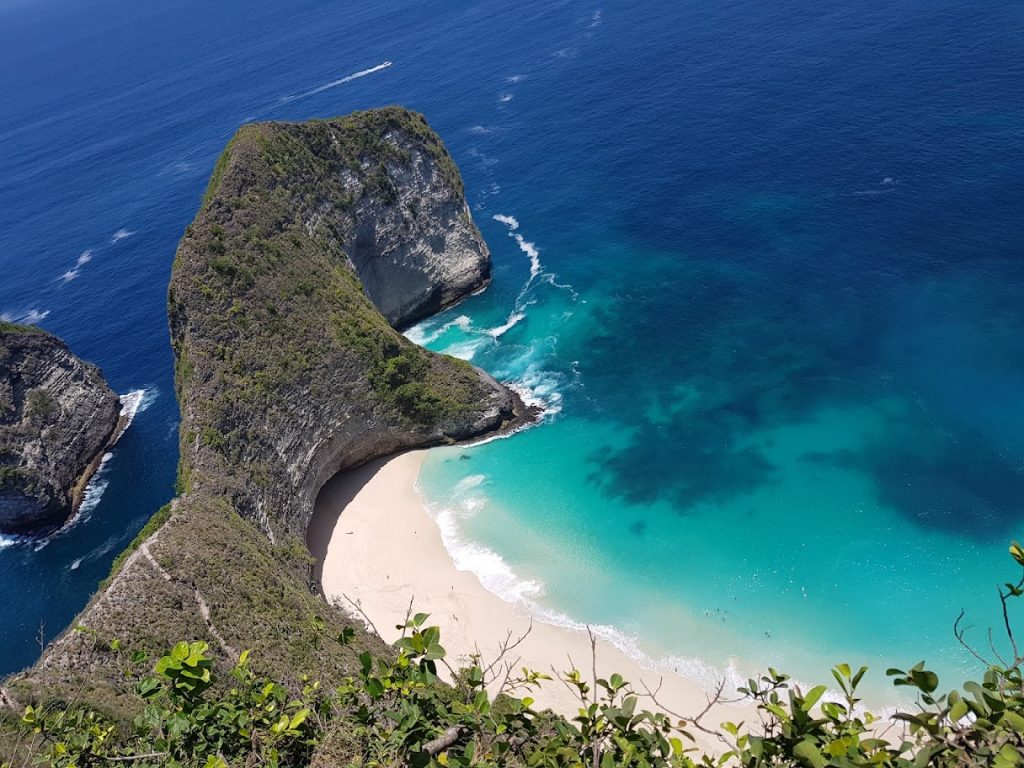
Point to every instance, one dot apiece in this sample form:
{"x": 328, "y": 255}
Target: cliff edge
{"x": 57, "y": 416}
{"x": 282, "y": 310}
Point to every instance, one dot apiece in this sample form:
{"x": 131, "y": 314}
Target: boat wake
{"x": 339, "y": 81}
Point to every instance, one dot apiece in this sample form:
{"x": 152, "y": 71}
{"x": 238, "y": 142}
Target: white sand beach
{"x": 377, "y": 545}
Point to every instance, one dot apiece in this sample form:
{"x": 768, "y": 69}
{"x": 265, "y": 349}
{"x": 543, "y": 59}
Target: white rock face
{"x": 421, "y": 253}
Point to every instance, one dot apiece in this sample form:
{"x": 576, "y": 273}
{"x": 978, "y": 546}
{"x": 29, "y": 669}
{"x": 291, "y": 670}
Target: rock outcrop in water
{"x": 287, "y": 372}
{"x": 57, "y": 416}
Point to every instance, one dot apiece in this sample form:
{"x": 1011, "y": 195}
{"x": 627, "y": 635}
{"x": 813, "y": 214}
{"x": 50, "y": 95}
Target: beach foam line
{"x": 339, "y": 81}
{"x": 497, "y": 577}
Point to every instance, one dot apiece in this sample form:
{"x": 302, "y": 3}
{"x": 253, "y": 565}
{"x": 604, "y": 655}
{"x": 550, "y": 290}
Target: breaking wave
{"x": 132, "y": 404}
{"x": 500, "y": 579}
{"x": 135, "y": 402}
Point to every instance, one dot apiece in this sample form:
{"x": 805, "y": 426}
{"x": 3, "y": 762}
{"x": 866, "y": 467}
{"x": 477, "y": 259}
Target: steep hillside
{"x": 287, "y": 373}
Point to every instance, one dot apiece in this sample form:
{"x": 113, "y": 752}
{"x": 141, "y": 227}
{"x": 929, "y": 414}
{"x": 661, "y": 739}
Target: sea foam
{"x": 500, "y": 579}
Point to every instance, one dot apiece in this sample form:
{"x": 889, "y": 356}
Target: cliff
{"x": 57, "y": 416}
{"x": 286, "y": 373}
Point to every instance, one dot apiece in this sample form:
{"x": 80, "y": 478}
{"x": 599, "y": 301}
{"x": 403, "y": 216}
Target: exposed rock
{"x": 57, "y": 416}
{"x": 422, "y": 252}
{"x": 286, "y": 373}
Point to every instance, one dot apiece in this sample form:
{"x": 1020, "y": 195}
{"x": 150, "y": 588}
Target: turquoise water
{"x": 714, "y": 488}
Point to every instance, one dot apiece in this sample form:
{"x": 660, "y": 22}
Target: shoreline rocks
{"x": 57, "y": 419}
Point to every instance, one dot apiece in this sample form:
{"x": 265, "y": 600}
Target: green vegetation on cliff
{"x": 286, "y": 373}
{"x": 267, "y": 312}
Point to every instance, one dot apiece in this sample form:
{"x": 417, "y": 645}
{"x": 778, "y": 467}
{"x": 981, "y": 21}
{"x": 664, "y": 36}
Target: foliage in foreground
{"x": 396, "y": 712}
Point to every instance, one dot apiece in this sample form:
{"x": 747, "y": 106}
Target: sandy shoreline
{"x": 376, "y": 544}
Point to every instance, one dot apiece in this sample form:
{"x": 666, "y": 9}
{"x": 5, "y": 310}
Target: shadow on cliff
{"x": 327, "y": 517}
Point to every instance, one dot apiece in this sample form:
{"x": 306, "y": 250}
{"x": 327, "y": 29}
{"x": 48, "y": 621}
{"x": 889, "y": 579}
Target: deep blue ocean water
{"x": 761, "y": 261}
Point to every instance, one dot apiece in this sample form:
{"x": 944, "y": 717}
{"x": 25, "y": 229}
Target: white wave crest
{"x": 465, "y": 350}
{"x": 530, "y": 249}
{"x": 423, "y": 334}
{"x": 93, "y": 493}
{"x": 509, "y": 221}
{"x": 135, "y": 402}
{"x": 506, "y": 97}
{"x": 8, "y": 541}
{"x": 513, "y": 320}
{"x": 487, "y": 565}
{"x": 120, "y": 235}
{"x": 29, "y": 317}
{"x": 84, "y": 258}
{"x": 339, "y": 81}
{"x": 497, "y": 577}
{"x": 541, "y": 389}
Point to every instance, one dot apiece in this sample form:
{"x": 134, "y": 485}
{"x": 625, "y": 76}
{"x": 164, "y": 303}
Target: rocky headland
{"x": 57, "y": 418}
{"x": 313, "y": 243}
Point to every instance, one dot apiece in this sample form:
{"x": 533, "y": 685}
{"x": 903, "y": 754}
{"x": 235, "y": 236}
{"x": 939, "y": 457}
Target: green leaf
{"x": 925, "y": 680}
{"x": 958, "y": 710}
{"x": 810, "y": 754}
{"x": 374, "y": 687}
{"x": 815, "y": 693}
{"x": 435, "y": 652}
{"x": 1015, "y": 721}
{"x": 1017, "y": 552}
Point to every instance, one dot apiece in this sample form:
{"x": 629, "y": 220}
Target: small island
{"x": 57, "y": 418}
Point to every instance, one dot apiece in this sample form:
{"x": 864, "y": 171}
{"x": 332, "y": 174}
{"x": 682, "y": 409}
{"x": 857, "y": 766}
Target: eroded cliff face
{"x": 420, "y": 251}
{"x": 57, "y": 415}
{"x": 287, "y": 372}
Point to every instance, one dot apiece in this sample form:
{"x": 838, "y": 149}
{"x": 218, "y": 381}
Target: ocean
{"x": 760, "y": 262}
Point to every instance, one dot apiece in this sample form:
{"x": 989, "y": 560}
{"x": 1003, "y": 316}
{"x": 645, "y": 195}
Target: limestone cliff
{"x": 57, "y": 415}
{"x": 286, "y": 373}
